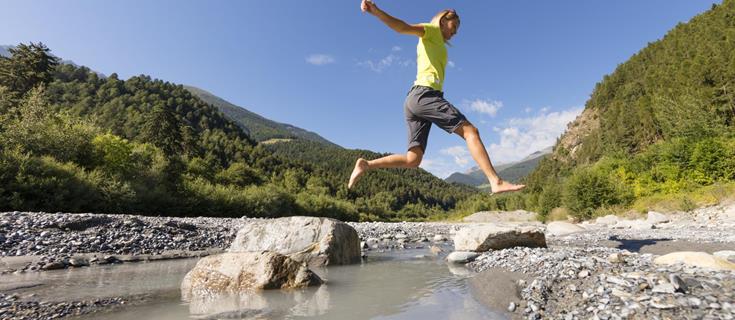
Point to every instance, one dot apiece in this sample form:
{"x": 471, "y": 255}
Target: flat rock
{"x": 462, "y": 256}
{"x": 607, "y": 220}
{"x": 561, "y": 228}
{"x": 725, "y": 254}
{"x": 695, "y": 259}
{"x": 239, "y": 272}
{"x": 656, "y": 218}
{"x": 484, "y": 237}
{"x": 316, "y": 241}
{"x": 633, "y": 224}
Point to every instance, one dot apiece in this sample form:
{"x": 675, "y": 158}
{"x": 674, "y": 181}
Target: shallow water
{"x": 392, "y": 285}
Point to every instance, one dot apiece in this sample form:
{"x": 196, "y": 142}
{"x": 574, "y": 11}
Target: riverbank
{"x": 605, "y": 270}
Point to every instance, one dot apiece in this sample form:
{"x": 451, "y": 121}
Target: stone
{"x": 482, "y": 238}
{"x": 55, "y": 265}
{"x": 656, "y": 218}
{"x": 561, "y": 228}
{"x": 725, "y": 254}
{"x": 695, "y": 259}
{"x": 607, "y": 220}
{"x": 462, "y": 256}
{"x": 512, "y": 307}
{"x": 79, "y": 262}
{"x": 633, "y": 224}
{"x": 241, "y": 272}
{"x": 678, "y": 283}
{"x": 316, "y": 241}
{"x": 664, "y": 288}
{"x": 439, "y": 238}
{"x": 615, "y": 258}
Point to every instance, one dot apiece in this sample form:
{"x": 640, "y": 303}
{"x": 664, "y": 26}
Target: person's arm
{"x": 395, "y": 24}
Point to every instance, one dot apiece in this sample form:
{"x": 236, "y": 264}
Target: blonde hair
{"x": 448, "y": 13}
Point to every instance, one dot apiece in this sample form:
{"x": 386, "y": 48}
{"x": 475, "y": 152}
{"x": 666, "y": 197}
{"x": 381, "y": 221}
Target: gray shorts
{"x": 424, "y": 106}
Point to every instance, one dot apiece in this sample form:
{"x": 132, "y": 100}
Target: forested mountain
{"x": 662, "y": 123}
{"x": 513, "y": 171}
{"x": 72, "y": 140}
{"x": 258, "y": 127}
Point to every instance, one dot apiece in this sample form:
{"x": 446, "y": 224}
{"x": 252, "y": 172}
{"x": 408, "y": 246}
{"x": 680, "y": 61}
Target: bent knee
{"x": 413, "y": 162}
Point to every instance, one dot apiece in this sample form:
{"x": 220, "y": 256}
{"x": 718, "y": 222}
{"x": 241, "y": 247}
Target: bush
{"x": 112, "y": 153}
{"x": 588, "y": 189}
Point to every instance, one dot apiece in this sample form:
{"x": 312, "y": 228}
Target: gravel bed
{"x": 11, "y": 307}
{"x": 608, "y": 283}
{"x": 57, "y": 237}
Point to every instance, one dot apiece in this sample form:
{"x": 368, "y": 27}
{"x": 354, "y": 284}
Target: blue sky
{"x": 519, "y": 70}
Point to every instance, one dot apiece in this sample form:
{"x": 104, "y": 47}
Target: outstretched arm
{"x": 396, "y": 24}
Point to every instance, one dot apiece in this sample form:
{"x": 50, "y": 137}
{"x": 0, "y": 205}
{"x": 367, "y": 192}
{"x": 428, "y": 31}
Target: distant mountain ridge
{"x": 258, "y": 127}
{"x": 513, "y": 171}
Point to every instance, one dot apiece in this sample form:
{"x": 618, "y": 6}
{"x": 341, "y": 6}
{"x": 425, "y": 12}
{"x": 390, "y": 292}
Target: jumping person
{"x": 425, "y": 103}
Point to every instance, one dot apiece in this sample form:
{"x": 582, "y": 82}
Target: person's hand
{"x": 368, "y": 6}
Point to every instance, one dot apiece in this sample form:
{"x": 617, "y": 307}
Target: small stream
{"x": 405, "y": 284}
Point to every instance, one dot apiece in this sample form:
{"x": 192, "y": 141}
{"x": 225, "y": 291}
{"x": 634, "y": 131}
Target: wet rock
{"x": 238, "y": 272}
{"x": 462, "y": 256}
{"x": 55, "y": 265}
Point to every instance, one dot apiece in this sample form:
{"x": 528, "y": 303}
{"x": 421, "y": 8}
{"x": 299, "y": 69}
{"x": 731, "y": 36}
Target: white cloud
{"x": 320, "y": 59}
{"x": 390, "y": 60}
{"x": 520, "y": 137}
{"x": 438, "y": 167}
{"x": 527, "y": 110}
{"x": 460, "y": 154}
{"x": 450, "y": 64}
{"x": 484, "y": 106}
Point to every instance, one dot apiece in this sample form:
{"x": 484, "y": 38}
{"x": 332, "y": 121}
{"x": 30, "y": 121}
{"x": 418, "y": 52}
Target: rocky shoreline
{"x": 600, "y": 272}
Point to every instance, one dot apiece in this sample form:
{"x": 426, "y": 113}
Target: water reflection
{"x": 392, "y": 285}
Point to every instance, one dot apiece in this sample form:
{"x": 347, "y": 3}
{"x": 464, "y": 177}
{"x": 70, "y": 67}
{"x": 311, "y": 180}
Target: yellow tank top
{"x": 431, "y": 58}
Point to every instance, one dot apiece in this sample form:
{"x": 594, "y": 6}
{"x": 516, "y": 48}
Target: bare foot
{"x": 360, "y": 167}
{"x": 504, "y": 186}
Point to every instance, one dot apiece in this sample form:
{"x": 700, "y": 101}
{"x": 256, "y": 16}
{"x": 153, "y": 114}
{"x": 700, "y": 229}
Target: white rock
{"x": 561, "y": 228}
{"x": 725, "y": 254}
{"x": 607, "y": 220}
{"x": 656, "y": 217}
{"x": 696, "y": 259}
{"x": 481, "y": 238}
{"x": 633, "y": 224}
{"x": 439, "y": 238}
{"x": 462, "y": 256}
{"x": 316, "y": 241}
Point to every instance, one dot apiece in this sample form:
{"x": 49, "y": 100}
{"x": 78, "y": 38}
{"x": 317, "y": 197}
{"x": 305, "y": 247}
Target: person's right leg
{"x": 411, "y": 159}
{"x": 471, "y": 135}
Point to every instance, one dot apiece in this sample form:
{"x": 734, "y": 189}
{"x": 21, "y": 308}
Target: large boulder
{"x": 561, "y": 228}
{"x": 485, "y": 237}
{"x": 695, "y": 259}
{"x": 234, "y": 273}
{"x": 316, "y": 241}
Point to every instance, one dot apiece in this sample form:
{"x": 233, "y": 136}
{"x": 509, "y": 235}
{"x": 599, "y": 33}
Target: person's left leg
{"x": 477, "y": 149}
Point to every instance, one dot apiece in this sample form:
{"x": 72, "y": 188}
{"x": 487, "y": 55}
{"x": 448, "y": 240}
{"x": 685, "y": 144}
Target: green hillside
{"x": 661, "y": 126}
{"x": 74, "y": 141}
{"x": 258, "y": 127}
